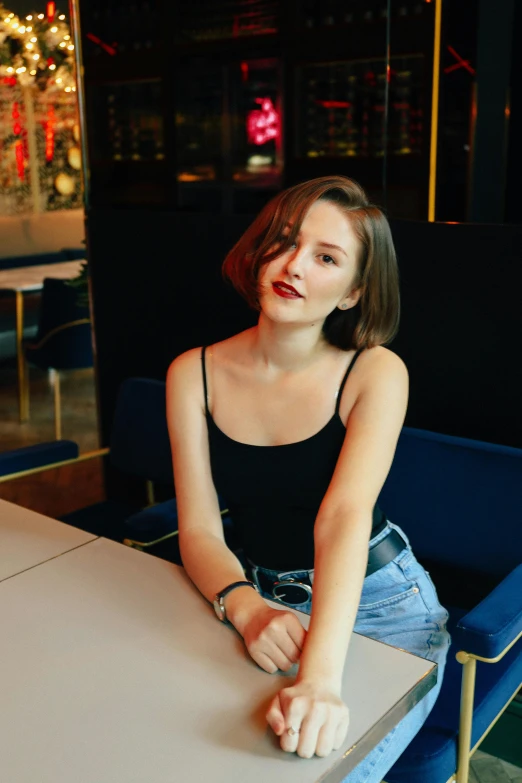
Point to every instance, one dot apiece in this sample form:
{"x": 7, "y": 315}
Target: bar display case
{"x": 228, "y": 134}
{"x": 131, "y": 123}
{"x": 214, "y": 105}
{"x": 208, "y": 20}
{"x": 342, "y": 108}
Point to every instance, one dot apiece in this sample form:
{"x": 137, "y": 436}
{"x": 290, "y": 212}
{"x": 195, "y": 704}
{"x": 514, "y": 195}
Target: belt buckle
{"x": 292, "y": 588}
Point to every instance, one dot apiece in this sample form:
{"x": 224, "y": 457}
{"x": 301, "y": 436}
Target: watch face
{"x": 219, "y": 610}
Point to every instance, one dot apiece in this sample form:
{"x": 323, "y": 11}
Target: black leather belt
{"x": 297, "y": 591}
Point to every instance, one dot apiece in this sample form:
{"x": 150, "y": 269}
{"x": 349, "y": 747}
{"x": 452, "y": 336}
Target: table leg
{"x": 23, "y": 397}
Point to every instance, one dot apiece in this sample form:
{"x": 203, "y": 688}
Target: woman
{"x": 295, "y": 423}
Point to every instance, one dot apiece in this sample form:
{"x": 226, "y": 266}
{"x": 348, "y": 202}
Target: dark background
{"x": 169, "y": 100}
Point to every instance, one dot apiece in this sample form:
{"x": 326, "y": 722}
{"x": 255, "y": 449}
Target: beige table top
{"x": 115, "y": 670}
{"x": 28, "y": 538}
{"x": 30, "y": 278}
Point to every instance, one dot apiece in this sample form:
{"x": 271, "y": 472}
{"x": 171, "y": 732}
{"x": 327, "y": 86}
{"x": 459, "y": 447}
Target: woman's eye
{"x": 328, "y": 259}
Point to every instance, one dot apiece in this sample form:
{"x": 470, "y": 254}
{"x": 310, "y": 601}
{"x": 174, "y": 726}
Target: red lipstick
{"x": 285, "y": 290}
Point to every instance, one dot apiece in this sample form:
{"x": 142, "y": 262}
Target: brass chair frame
{"x": 467, "y": 697}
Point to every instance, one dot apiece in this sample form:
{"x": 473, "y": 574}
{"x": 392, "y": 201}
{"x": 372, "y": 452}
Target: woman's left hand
{"x": 316, "y": 716}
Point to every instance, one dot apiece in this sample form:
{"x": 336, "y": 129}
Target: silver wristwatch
{"x": 219, "y": 600}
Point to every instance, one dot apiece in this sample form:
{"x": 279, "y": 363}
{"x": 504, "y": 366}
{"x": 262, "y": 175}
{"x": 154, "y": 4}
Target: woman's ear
{"x": 350, "y": 300}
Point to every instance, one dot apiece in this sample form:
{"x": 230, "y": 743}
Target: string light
{"x": 29, "y": 41}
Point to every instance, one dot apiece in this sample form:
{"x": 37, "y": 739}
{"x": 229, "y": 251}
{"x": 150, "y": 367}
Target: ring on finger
{"x": 293, "y": 732}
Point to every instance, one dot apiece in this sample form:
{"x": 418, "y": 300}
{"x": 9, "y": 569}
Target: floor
{"x": 488, "y": 769}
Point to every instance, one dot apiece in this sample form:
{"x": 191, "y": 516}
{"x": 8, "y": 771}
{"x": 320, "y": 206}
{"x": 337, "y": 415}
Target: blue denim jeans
{"x": 399, "y": 606}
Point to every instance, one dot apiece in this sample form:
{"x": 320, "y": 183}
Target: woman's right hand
{"x": 274, "y": 638}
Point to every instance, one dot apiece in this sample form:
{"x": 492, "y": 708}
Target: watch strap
{"x": 242, "y": 583}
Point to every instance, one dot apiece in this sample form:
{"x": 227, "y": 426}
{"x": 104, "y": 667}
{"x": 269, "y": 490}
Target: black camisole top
{"x": 274, "y": 492}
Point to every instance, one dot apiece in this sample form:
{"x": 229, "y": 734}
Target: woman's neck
{"x": 287, "y": 347}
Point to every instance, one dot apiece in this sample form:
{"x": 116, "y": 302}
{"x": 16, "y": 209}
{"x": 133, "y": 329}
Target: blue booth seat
{"x": 36, "y": 259}
{"x": 74, "y": 253}
{"x": 460, "y": 503}
{"x": 37, "y": 456}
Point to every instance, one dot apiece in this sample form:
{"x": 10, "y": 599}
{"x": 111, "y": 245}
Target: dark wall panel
{"x": 157, "y": 291}
{"x": 461, "y": 328}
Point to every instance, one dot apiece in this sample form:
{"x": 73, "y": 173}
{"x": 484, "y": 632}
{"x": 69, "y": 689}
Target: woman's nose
{"x": 296, "y": 262}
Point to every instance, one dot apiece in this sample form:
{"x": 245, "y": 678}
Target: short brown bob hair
{"x": 375, "y": 318}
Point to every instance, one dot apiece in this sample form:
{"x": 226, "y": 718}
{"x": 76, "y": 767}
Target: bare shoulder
{"x": 185, "y": 368}
{"x": 378, "y": 374}
{"x": 379, "y": 363}
{"x": 185, "y": 371}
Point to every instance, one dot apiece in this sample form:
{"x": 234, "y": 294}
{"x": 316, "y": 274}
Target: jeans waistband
{"x": 290, "y": 580}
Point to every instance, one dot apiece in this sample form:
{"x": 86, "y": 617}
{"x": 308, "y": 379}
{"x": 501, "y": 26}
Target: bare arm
{"x": 208, "y": 561}
{"x": 341, "y": 534}
{"x": 273, "y": 638}
{"x": 343, "y": 526}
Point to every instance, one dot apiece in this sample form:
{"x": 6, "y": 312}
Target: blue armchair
{"x": 460, "y": 503}
{"x": 140, "y": 447}
{"x": 64, "y": 339}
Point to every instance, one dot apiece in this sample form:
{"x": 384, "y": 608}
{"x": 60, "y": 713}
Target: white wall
{"x": 46, "y": 232}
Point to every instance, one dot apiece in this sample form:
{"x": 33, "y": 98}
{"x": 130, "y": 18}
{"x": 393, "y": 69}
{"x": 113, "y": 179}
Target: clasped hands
{"x": 309, "y": 716}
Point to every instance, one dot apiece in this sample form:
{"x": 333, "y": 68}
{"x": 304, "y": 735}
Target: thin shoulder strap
{"x": 204, "y": 371}
{"x": 347, "y": 373}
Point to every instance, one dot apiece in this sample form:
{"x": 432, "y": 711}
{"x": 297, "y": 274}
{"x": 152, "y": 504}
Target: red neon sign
{"x": 263, "y": 123}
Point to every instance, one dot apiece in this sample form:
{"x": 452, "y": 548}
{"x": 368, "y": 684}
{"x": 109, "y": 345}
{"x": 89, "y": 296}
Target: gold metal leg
{"x": 57, "y": 406}
{"x": 23, "y": 392}
{"x": 466, "y": 715}
{"x": 150, "y": 493}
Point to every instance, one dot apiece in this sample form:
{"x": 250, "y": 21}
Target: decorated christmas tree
{"x": 40, "y": 159}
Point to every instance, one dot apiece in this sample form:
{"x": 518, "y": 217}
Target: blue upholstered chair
{"x": 460, "y": 503}
{"x": 140, "y": 447}
{"x": 31, "y": 458}
{"x": 64, "y": 339}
